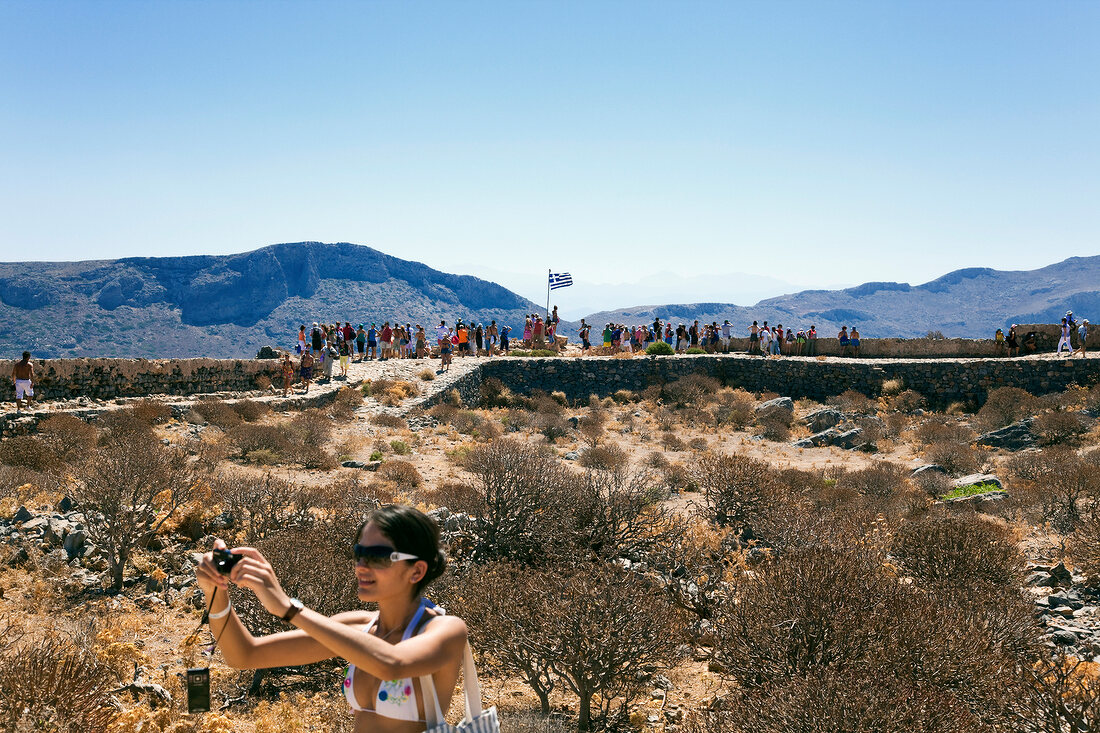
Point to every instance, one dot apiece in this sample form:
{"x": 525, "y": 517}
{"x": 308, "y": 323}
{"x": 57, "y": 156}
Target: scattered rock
{"x": 1064, "y": 637}
{"x": 927, "y": 468}
{"x": 978, "y": 478}
{"x": 781, "y": 403}
{"x": 849, "y": 439}
{"x": 823, "y": 419}
{"x": 572, "y": 455}
{"x": 1014, "y": 437}
{"x": 22, "y": 515}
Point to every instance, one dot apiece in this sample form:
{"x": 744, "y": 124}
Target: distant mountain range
{"x": 231, "y": 305}
{"x": 970, "y": 303}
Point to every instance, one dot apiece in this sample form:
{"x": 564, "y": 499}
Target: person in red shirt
{"x": 387, "y": 341}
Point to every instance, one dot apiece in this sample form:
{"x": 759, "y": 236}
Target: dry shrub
{"x": 623, "y": 396}
{"x": 153, "y": 412}
{"x": 425, "y": 375}
{"x": 933, "y": 483}
{"x": 552, "y": 427}
{"x": 261, "y": 441}
{"x": 542, "y": 623}
{"x": 943, "y": 430}
{"x": 475, "y": 425}
{"x": 27, "y": 451}
{"x": 312, "y": 430}
{"x": 392, "y": 392}
{"x": 591, "y": 426}
{"x": 854, "y": 402}
{"x": 774, "y": 423}
{"x": 251, "y": 410}
{"x": 218, "y": 413}
{"x": 892, "y": 387}
{"x": 956, "y": 458}
{"x": 346, "y": 402}
{"x": 960, "y": 549}
{"x": 456, "y": 496}
{"x": 907, "y": 401}
{"x": 677, "y": 477}
{"x": 1057, "y": 428}
{"x": 522, "y": 500}
{"x": 733, "y": 407}
{"x": 68, "y": 437}
{"x": 737, "y": 490}
{"x": 604, "y": 458}
{"x": 698, "y": 558}
{"x": 129, "y": 487}
{"x": 692, "y": 391}
{"x": 1037, "y": 466}
{"x": 1064, "y": 482}
{"x": 495, "y": 394}
{"x": 402, "y": 473}
{"x": 698, "y": 443}
{"x": 262, "y": 505}
{"x": 881, "y": 480}
{"x": 1004, "y": 406}
{"x": 815, "y": 613}
{"x": 672, "y": 441}
{"x": 386, "y": 420}
{"x": 443, "y": 412}
{"x": 53, "y": 685}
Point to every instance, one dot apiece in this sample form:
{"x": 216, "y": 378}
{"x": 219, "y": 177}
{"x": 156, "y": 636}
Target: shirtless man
{"x": 23, "y": 375}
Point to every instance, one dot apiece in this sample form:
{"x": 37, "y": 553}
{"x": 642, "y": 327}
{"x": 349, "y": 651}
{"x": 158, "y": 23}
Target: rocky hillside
{"x": 966, "y": 303}
{"x": 227, "y": 306}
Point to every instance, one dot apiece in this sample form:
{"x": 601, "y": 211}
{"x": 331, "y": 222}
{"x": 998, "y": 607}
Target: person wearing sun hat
{"x": 1082, "y": 335}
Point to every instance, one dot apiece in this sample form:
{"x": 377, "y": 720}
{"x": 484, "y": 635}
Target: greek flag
{"x": 560, "y": 280}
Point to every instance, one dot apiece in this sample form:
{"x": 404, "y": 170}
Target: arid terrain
{"x": 745, "y": 561}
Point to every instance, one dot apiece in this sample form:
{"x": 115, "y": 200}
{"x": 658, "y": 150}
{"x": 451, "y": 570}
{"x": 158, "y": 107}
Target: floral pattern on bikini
{"x": 396, "y": 692}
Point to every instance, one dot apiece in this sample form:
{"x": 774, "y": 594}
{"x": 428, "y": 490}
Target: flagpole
{"x": 547, "y": 299}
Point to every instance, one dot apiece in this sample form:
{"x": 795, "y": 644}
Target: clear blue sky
{"x": 816, "y": 142}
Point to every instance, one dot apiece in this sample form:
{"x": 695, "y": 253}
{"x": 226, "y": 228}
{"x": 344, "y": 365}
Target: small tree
{"x": 736, "y": 490}
{"x": 596, "y": 628}
{"x": 130, "y": 486}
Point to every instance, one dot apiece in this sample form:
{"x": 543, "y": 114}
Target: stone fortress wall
{"x": 106, "y": 379}
{"x": 944, "y": 370}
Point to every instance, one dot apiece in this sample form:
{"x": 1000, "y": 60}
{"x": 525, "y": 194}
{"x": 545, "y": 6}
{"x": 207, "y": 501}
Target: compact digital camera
{"x": 224, "y": 560}
{"x": 198, "y": 690}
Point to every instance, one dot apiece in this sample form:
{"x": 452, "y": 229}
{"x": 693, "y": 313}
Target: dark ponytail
{"x": 411, "y": 531}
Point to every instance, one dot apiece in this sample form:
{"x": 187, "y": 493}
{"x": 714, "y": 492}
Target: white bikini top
{"x": 396, "y": 699}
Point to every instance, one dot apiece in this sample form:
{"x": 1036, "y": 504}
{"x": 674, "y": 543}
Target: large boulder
{"x": 779, "y": 403}
{"x": 823, "y": 419}
{"x": 1016, "y": 436}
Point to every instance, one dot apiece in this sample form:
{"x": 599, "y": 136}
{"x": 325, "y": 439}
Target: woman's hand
{"x": 207, "y": 575}
{"x": 254, "y": 572}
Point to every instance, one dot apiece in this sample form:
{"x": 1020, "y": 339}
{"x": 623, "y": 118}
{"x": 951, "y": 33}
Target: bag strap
{"x": 471, "y": 687}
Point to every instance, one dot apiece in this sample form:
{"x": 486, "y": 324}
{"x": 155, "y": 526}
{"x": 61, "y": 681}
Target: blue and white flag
{"x": 560, "y": 280}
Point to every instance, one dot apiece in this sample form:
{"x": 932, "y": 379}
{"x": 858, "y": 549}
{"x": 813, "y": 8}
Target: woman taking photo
{"x": 393, "y": 653}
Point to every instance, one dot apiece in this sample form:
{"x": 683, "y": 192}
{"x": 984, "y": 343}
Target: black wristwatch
{"x": 295, "y": 607}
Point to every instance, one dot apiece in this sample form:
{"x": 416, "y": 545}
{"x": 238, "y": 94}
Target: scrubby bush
{"x": 425, "y": 375}
{"x": 672, "y": 441}
{"x": 68, "y": 437}
{"x": 852, "y": 401}
{"x": 53, "y": 685}
{"x": 345, "y": 404}
{"x": 494, "y": 393}
{"x": 386, "y": 420}
{"x": 956, "y": 458}
{"x": 390, "y": 392}
{"x": 961, "y": 549}
{"x": 400, "y": 447}
{"x": 942, "y": 430}
{"x": 269, "y": 440}
{"x": 27, "y": 451}
{"x": 737, "y": 490}
{"x": 624, "y": 396}
{"x": 1056, "y": 428}
{"x": 732, "y": 407}
{"x": 774, "y": 423}
{"x": 907, "y": 401}
{"x": 881, "y": 480}
{"x": 692, "y": 390}
{"x": 218, "y": 413}
{"x": 659, "y": 348}
{"x": 1004, "y": 406}
{"x": 604, "y": 458}
{"x": 151, "y": 411}
{"x": 251, "y": 410}
{"x": 402, "y": 473}
{"x": 543, "y": 623}
{"x": 128, "y": 488}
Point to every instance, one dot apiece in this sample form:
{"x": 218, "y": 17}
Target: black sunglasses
{"x": 379, "y": 556}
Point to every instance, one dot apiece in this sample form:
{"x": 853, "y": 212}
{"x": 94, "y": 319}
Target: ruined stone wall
{"x": 941, "y": 381}
{"x": 112, "y": 378}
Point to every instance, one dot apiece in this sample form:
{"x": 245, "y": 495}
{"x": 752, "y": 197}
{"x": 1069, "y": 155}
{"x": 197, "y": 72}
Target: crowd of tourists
{"x": 715, "y": 338}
